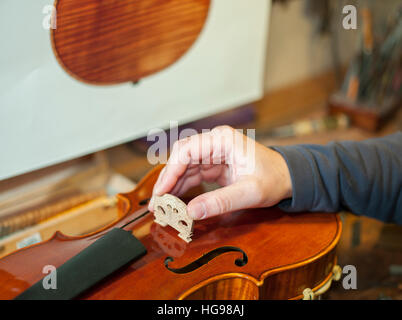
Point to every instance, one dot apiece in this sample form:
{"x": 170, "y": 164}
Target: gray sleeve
{"x": 363, "y": 177}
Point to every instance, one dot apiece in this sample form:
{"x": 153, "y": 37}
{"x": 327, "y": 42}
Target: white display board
{"x": 47, "y": 117}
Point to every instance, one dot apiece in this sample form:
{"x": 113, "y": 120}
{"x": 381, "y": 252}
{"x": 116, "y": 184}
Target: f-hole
{"x": 240, "y": 262}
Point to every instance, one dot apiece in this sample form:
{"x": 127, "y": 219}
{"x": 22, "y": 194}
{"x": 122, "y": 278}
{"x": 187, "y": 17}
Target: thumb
{"x": 226, "y": 199}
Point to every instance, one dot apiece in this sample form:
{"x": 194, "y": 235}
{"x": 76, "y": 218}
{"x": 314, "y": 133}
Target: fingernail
{"x": 162, "y": 176}
{"x": 157, "y": 191}
{"x": 151, "y": 204}
{"x": 197, "y": 211}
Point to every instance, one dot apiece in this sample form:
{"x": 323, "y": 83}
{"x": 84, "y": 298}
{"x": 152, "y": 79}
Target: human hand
{"x": 248, "y": 179}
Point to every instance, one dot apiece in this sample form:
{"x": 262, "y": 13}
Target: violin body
{"x": 286, "y": 253}
{"x": 110, "y": 42}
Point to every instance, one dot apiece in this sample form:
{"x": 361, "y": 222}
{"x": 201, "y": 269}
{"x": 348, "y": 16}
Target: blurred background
{"x": 317, "y": 82}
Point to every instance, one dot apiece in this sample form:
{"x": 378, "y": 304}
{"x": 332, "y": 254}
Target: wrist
{"x": 288, "y": 190}
{"x": 285, "y": 179}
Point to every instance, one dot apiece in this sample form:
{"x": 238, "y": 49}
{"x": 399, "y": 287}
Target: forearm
{"x": 363, "y": 177}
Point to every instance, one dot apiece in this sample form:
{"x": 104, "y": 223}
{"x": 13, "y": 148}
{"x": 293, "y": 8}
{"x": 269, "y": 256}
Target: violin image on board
{"x": 110, "y": 42}
{"x": 251, "y": 254}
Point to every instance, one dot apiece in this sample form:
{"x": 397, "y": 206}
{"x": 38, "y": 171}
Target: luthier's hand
{"x": 248, "y": 180}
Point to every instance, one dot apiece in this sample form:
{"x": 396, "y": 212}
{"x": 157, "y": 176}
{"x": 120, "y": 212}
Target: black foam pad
{"x": 106, "y": 255}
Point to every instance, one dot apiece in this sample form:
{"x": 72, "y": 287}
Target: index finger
{"x": 185, "y": 152}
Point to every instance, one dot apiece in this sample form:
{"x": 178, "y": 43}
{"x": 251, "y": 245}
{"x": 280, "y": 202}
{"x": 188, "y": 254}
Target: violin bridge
{"x": 170, "y": 210}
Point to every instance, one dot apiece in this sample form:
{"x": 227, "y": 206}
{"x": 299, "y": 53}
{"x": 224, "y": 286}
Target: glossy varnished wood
{"x": 110, "y": 42}
{"x": 286, "y": 254}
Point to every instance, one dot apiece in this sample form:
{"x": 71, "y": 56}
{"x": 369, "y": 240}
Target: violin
{"x": 250, "y": 254}
{"x": 111, "y": 42}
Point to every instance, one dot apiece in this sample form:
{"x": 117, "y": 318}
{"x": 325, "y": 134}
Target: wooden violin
{"x": 250, "y": 254}
{"x": 110, "y": 42}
